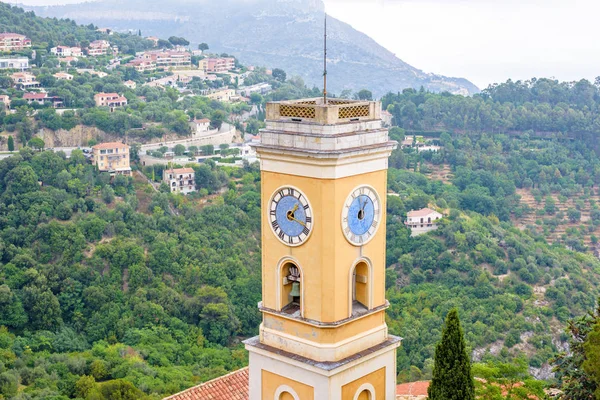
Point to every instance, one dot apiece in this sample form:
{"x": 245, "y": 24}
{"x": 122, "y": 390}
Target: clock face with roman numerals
{"x": 361, "y": 215}
{"x": 290, "y": 216}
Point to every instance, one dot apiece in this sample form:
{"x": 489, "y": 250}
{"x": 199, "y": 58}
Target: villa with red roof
{"x": 200, "y": 126}
{"x": 180, "y": 180}
{"x": 39, "y": 98}
{"x": 109, "y": 100}
{"x": 13, "y": 41}
{"x": 422, "y": 221}
{"x": 24, "y": 80}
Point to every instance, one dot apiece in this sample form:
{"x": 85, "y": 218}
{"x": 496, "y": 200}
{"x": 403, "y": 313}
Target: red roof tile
{"x": 412, "y": 388}
{"x": 183, "y": 170}
{"x": 420, "y": 213}
{"x": 35, "y": 96}
{"x": 110, "y": 145}
{"x": 233, "y": 386}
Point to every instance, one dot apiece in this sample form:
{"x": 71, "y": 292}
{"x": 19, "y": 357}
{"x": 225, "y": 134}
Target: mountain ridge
{"x": 277, "y": 34}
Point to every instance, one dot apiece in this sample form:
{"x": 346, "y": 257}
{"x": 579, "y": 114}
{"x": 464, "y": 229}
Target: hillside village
{"x": 40, "y": 85}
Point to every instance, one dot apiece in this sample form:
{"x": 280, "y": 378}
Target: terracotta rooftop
{"x": 233, "y": 386}
{"x": 106, "y": 94}
{"x": 203, "y": 120}
{"x": 110, "y": 145}
{"x": 183, "y": 170}
{"x": 35, "y": 96}
{"x": 412, "y": 389}
{"x": 421, "y": 213}
{"x": 10, "y": 35}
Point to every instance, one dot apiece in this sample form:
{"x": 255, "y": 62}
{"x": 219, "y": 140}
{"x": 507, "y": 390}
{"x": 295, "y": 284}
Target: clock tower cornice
{"x": 328, "y": 141}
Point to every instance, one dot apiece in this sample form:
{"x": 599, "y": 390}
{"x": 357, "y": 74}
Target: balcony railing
{"x": 316, "y": 110}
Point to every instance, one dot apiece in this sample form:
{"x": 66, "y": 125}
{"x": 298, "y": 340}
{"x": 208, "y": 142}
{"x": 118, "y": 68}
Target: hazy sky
{"x": 484, "y": 41}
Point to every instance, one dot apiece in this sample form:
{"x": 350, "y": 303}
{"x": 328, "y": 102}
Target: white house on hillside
{"x": 180, "y": 180}
{"x": 422, "y": 221}
{"x": 200, "y": 126}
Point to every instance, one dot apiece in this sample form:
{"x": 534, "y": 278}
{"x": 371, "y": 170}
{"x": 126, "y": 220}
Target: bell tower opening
{"x": 291, "y": 289}
{"x": 360, "y": 288}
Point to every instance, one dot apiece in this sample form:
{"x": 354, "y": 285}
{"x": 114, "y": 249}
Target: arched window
{"x": 284, "y": 392}
{"x": 365, "y": 395}
{"x": 360, "y": 281}
{"x": 291, "y": 289}
{"x": 365, "y": 392}
{"x": 286, "y": 396}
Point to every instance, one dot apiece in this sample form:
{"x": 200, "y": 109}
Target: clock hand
{"x": 298, "y": 221}
{"x": 295, "y": 208}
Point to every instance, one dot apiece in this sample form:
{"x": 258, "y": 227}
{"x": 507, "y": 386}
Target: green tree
{"x": 108, "y": 194}
{"x": 178, "y": 41}
{"x": 573, "y": 214}
{"x": 574, "y": 379}
{"x": 11, "y": 143}
{"x": 591, "y": 365}
{"x": 452, "y": 377}
{"x": 84, "y": 386}
{"x": 179, "y": 149}
{"x": 8, "y": 385}
{"x": 203, "y": 46}
{"x": 364, "y": 94}
{"x": 207, "y": 150}
{"x": 37, "y": 143}
{"x": 217, "y": 118}
{"x": 279, "y": 74}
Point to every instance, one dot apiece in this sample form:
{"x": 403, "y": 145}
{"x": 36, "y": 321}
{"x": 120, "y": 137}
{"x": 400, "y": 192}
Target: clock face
{"x": 290, "y": 216}
{"x": 361, "y": 215}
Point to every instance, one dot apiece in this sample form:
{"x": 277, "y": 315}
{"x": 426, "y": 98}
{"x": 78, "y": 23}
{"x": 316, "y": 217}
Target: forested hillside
{"x": 104, "y": 291}
{"x": 94, "y": 290}
{"x": 514, "y": 291}
{"x": 535, "y": 106}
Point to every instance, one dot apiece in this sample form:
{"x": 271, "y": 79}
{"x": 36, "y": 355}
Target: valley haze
{"x": 285, "y": 34}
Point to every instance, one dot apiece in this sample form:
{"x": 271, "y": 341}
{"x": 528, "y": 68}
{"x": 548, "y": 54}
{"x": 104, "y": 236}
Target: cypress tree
{"x": 11, "y": 144}
{"x": 452, "y": 376}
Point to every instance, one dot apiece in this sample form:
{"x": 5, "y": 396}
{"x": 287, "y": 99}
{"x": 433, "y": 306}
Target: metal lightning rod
{"x": 325, "y": 63}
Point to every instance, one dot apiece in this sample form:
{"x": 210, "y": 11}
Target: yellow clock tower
{"x": 323, "y": 334}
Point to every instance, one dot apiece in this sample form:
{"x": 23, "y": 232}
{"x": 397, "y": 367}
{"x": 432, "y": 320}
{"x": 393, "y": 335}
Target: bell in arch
{"x": 295, "y": 289}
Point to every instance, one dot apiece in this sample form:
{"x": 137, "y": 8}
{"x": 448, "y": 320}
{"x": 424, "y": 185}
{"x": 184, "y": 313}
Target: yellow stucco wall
{"x": 324, "y": 335}
{"x": 271, "y": 382}
{"x": 377, "y": 379}
{"x": 326, "y": 258}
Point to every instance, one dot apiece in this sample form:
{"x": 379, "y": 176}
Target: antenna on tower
{"x": 325, "y": 63}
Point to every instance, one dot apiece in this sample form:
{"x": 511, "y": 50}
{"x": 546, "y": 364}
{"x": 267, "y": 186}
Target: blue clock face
{"x": 290, "y": 216}
{"x": 361, "y": 214}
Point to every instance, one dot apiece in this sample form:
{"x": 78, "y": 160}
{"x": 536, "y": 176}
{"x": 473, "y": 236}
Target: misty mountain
{"x": 285, "y": 34}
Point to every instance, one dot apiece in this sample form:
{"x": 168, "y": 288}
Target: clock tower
{"x": 323, "y": 335}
